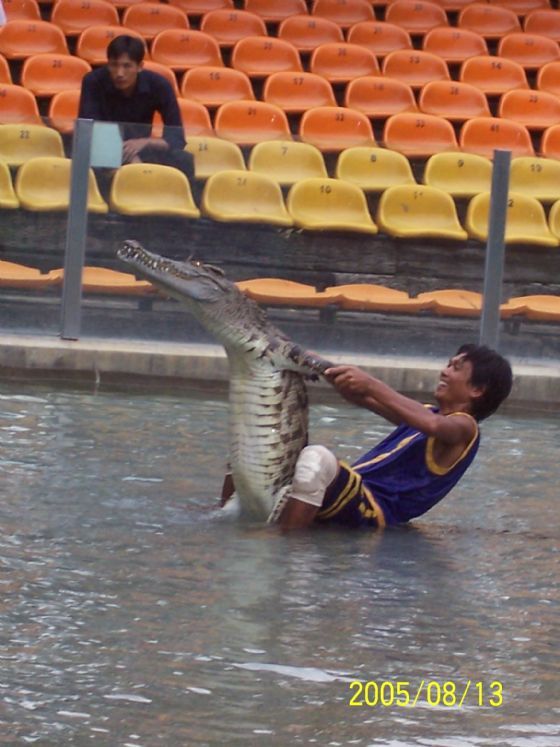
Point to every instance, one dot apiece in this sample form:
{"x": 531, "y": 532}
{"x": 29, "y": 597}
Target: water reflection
{"x": 132, "y": 615}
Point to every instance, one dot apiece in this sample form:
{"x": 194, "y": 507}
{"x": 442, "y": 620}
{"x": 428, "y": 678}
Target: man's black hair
{"x": 129, "y": 45}
{"x": 492, "y": 373}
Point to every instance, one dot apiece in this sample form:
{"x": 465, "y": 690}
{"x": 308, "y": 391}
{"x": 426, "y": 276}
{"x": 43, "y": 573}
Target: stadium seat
{"x": 490, "y": 21}
{"x": 341, "y": 62}
{"x": 73, "y": 16}
{"x": 416, "y": 211}
{"x": 344, "y": 13}
{"x": 196, "y": 8}
{"x": 280, "y": 292}
{"x": 453, "y": 5}
{"x": 537, "y": 110}
{"x": 531, "y": 51}
{"x": 454, "y": 45}
{"x": 334, "y": 128}
{"x": 148, "y": 19}
{"x": 21, "y": 39}
{"x": 259, "y": 56}
{"x": 63, "y": 110}
{"x": 453, "y": 302}
{"x": 92, "y": 42}
{"x": 229, "y": 26}
{"x": 287, "y": 161}
{"x": 8, "y": 198}
{"x": 416, "y": 16}
{"x": 525, "y": 221}
{"x": 538, "y": 308}
{"x": 453, "y": 100}
{"x": 329, "y": 205}
{"x": 459, "y": 174}
{"x": 21, "y": 10}
{"x": 194, "y": 116}
{"x": 165, "y": 71}
{"x": 419, "y": 135}
{"x": 306, "y": 33}
{"x": 548, "y": 78}
{"x": 379, "y": 37}
{"x": 544, "y": 21}
{"x": 536, "y": 177}
{"x": 20, "y": 143}
{"x": 212, "y": 154}
{"x": 43, "y": 185}
{"x": 183, "y": 50}
{"x": 213, "y": 86}
{"x": 152, "y": 189}
{"x": 483, "y": 135}
{"x": 243, "y": 196}
{"x": 103, "y": 280}
{"x": 251, "y": 122}
{"x": 297, "y": 92}
{"x": 379, "y": 97}
{"x": 554, "y": 219}
{"x": 18, "y": 105}
{"x": 374, "y": 169}
{"x": 14, "y": 275}
{"x": 415, "y": 67}
{"x": 550, "y": 142}
{"x": 493, "y": 75}
{"x": 275, "y": 11}
{"x": 47, "y": 74}
{"x": 5, "y": 74}
{"x": 522, "y": 7}
{"x": 369, "y": 297}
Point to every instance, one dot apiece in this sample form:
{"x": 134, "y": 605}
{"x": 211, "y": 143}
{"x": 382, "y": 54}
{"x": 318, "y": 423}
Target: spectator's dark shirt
{"x": 101, "y": 101}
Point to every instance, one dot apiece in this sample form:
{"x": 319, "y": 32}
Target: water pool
{"x": 133, "y": 614}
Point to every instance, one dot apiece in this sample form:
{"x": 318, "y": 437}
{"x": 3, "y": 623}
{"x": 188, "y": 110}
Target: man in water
{"x": 417, "y": 464}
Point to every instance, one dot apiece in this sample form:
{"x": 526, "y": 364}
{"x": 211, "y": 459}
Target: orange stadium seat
{"x": 536, "y": 177}
{"x": 483, "y": 135}
{"x": 374, "y": 169}
{"x": 287, "y": 161}
{"x": 453, "y": 100}
{"x": 415, "y": 67}
{"x": 63, "y": 110}
{"x": 548, "y": 78}
{"x": 370, "y": 297}
{"x": 453, "y": 302}
{"x": 525, "y": 222}
{"x": 47, "y": 74}
{"x": 490, "y": 21}
{"x": 379, "y": 37}
{"x": 531, "y": 51}
{"x": 544, "y": 21}
{"x": 73, "y": 16}
{"x": 344, "y": 13}
{"x": 419, "y": 135}
{"x": 104, "y": 280}
{"x": 275, "y": 11}
{"x": 459, "y": 174}
{"x": 229, "y": 26}
{"x": 323, "y": 204}
{"x": 197, "y": 8}
{"x": 454, "y": 45}
{"x": 334, "y": 128}
{"x": 537, "y": 110}
{"x": 522, "y": 7}
{"x": 550, "y": 142}
{"x": 342, "y": 62}
{"x": 279, "y": 292}
{"x": 306, "y": 33}
{"x": 14, "y": 275}
{"x": 260, "y": 56}
{"x": 379, "y": 97}
{"x": 454, "y": 5}
{"x": 295, "y": 93}
{"x": 213, "y": 86}
{"x": 165, "y": 71}
{"x": 148, "y": 19}
{"x": 416, "y": 17}
{"x": 5, "y": 74}
{"x": 493, "y": 75}
{"x": 538, "y": 308}
{"x": 18, "y": 105}
{"x": 21, "y": 39}
{"x": 123, "y": 4}
{"x": 183, "y": 50}
{"x": 251, "y": 122}
{"x": 93, "y": 42}
{"x": 195, "y": 118}
{"x": 21, "y": 10}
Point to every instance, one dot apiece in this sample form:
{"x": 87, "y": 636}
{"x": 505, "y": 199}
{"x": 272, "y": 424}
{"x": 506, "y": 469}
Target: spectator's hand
{"x": 132, "y": 148}
{"x": 351, "y": 382}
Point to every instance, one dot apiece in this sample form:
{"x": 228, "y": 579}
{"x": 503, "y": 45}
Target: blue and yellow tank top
{"x": 403, "y": 476}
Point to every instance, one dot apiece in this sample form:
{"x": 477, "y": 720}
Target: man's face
{"x": 124, "y": 72}
{"x": 454, "y": 384}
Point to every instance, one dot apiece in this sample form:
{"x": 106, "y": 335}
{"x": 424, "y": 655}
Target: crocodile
{"x": 268, "y": 401}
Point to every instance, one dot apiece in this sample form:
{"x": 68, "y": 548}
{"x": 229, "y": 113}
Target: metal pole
{"x": 76, "y": 231}
{"x": 494, "y": 263}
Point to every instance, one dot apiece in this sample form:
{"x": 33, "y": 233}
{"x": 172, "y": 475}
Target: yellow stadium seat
{"x": 287, "y": 161}
{"x": 149, "y": 18}
{"x": 490, "y": 21}
{"x": 410, "y": 210}
{"x": 243, "y": 196}
{"x": 525, "y": 222}
{"x": 544, "y": 21}
{"x": 250, "y": 122}
{"x": 459, "y": 174}
{"x": 454, "y": 45}
{"x": 369, "y": 297}
{"x": 454, "y": 100}
{"x": 379, "y": 97}
{"x": 374, "y": 169}
{"x": 548, "y": 77}
{"x": 298, "y": 92}
{"x": 483, "y": 135}
{"x": 212, "y": 154}
{"x": 21, "y": 39}
{"x": 103, "y": 280}
{"x": 453, "y": 302}
{"x": 554, "y": 219}
{"x": 334, "y": 128}
{"x": 493, "y": 75}
{"x": 14, "y": 275}
{"x": 20, "y": 143}
{"x": 306, "y": 33}
{"x": 47, "y": 74}
{"x": 93, "y": 41}
{"x": 537, "y": 110}
{"x": 152, "y": 189}
{"x": 416, "y": 17}
{"x": 419, "y": 135}
{"x": 344, "y": 13}
{"x": 43, "y": 184}
{"x": 539, "y": 308}
{"x": 415, "y": 67}
{"x": 213, "y": 86}
{"x": 279, "y": 292}
{"x": 329, "y": 205}
{"x": 8, "y": 198}
{"x": 183, "y": 50}
{"x": 73, "y": 16}
{"x": 379, "y": 37}
{"x": 18, "y": 105}
{"x": 531, "y": 51}
{"x": 536, "y": 177}
{"x": 229, "y": 26}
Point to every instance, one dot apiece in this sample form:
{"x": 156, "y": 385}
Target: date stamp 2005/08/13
{"x": 447, "y": 694}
